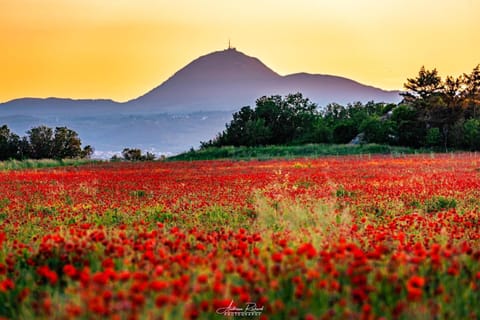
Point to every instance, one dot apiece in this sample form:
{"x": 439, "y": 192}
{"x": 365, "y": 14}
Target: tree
{"x": 149, "y": 156}
{"x": 8, "y": 146}
{"x": 288, "y": 119}
{"x": 377, "y": 130}
{"x": 426, "y": 84}
{"x": 472, "y": 91}
{"x": 25, "y": 149}
{"x": 409, "y": 132}
{"x": 87, "y": 152}
{"x": 66, "y": 144}
{"x": 433, "y": 138}
{"x": 132, "y": 154}
{"x": 452, "y": 90}
{"x": 437, "y": 103}
{"x": 236, "y": 132}
{"x": 472, "y": 134}
{"x": 344, "y": 132}
{"x": 321, "y": 132}
{"x": 41, "y": 142}
{"x": 275, "y": 120}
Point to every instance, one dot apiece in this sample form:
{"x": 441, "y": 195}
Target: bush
{"x": 440, "y": 203}
{"x": 135, "y": 155}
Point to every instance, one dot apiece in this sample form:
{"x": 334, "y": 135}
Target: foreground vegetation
{"x": 325, "y": 238}
{"x": 308, "y": 150}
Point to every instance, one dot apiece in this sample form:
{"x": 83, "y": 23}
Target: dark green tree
{"x": 132, "y": 154}
{"x": 87, "y": 152}
{"x": 426, "y": 84}
{"x": 378, "y": 130}
{"x": 433, "y": 137}
{"x": 471, "y": 93}
{"x": 66, "y": 144}
{"x": 275, "y": 120}
{"x": 41, "y": 141}
{"x": 472, "y": 134}
{"x": 7, "y": 148}
{"x": 345, "y": 131}
{"x": 409, "y": 131}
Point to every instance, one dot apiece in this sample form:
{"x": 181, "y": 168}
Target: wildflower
{"x": 6, "y": 285}
{"x": 414, "y": 287}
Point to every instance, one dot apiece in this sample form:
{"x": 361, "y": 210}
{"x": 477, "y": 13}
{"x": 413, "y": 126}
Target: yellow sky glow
{"x": 120, "y": 49}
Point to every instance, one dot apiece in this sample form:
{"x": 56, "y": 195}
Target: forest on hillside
{"x": 435, "y": 113}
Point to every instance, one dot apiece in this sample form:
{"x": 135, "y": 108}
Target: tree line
{"x": 433, "y": 113}
{"x": 42, "y": 143}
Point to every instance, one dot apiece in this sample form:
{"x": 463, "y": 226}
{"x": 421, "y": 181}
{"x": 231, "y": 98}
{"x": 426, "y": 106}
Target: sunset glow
{"x": 121, "y": 49}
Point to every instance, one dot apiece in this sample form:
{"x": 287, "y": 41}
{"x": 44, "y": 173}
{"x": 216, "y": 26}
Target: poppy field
{"x": 355, "y": 237}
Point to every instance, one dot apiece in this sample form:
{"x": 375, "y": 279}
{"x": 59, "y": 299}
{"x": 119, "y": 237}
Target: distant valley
{"x": 191, "y": 106}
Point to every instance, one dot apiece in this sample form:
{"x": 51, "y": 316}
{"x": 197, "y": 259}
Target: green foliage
{"x": 111, "y": 217}
{"x": 426, "y": 84}
{"x": 377, "y": 130}
{"x": 217, "y": 217}
{"x": 134, "y": 155}
{"x": 275, "y": 120}
{"x": 344, "y": 131}
{"x": 439, "y": 203}
{"x": 433, "y": 138}
{"x": 308, "y": 150}
{"x": 138, "y": 193}
{"x": 4, "y": 203}
{"x": 42, "y": 143}
{"x": 342, "y": 192}
{"x": 44, "y": 163}
{"x": 472, "y": 134}
{"x": 434, "y": 113}
{"x": 66, "y": 143}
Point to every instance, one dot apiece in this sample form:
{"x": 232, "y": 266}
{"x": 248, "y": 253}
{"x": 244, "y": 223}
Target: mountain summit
{"x": 222, "y": 80}
{"x": 229, "y": 79}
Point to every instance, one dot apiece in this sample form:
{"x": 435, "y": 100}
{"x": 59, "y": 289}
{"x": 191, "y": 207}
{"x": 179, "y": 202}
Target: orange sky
{"x": 120, "y": 49}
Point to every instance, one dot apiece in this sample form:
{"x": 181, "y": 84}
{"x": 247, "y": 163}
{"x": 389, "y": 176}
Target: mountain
{"x": 191, "y": 106}
{"x": 58, "y": 106}
{"x": 229, "y": 79}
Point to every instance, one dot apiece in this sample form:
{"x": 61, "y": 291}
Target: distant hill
{"x": 58, "y": 106}
{"x": 203, "y": 94}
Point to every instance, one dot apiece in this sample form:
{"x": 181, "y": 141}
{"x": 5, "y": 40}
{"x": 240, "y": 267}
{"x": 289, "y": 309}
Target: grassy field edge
{"x": 309, "y": 150}
{"x": 42, "y": 163}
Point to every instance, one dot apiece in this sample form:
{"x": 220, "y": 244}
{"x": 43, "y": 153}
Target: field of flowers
{"x": 359, "y": 237}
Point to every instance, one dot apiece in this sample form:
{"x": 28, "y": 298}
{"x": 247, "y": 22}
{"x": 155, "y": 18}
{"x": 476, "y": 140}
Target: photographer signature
{"x": 250, "y": 309}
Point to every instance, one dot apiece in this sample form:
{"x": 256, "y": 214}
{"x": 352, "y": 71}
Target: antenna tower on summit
{"x": 230, "y": 46}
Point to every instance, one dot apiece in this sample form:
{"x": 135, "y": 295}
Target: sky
{"x": 120, "y": 49}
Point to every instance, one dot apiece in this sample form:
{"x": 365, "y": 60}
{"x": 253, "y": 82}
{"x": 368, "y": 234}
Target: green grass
{"x": 309, "y": 150}
{"x": 43, "y": 163}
